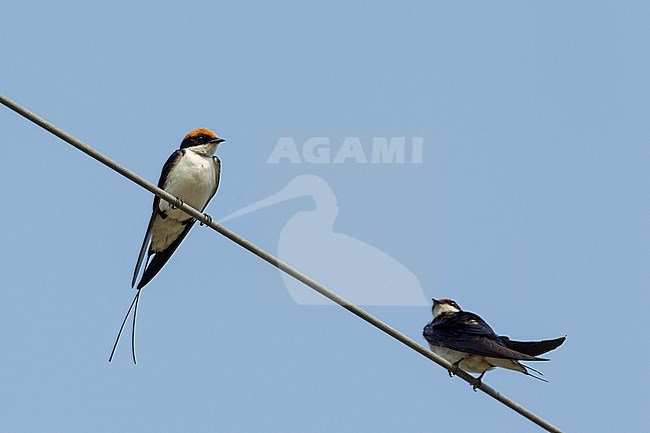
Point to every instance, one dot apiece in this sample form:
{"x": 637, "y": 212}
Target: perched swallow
{"x": 192, "y": 174}
{"x": 466, "y": 341}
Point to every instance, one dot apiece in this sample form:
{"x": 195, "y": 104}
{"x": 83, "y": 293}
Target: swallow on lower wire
{"x": 468, "y": 343}
{"x": 191, "y": 174}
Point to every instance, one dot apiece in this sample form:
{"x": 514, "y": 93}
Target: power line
{"x": 264, "y": 255}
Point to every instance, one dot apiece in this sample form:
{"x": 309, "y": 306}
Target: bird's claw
{"x": 454, "y": 368}
{"x": 207, "y": 217}
{"x": 178, "y": 204}
{"x": 478, "y": 383}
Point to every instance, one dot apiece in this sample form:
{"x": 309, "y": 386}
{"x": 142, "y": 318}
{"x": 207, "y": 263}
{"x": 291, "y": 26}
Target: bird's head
{"x": 444, "y": 306}
{"x": 201, "y": 137}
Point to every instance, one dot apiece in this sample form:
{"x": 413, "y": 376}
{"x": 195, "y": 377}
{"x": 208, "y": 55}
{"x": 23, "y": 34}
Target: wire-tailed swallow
{"x": 468, "y": 342}
{"x": 192, "y": 174}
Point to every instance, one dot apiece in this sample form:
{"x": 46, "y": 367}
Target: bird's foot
{"x": 478, "y": 383}
{"x": 454, "y": 369}
{"x": 178, "y": 204}
{"x": 207, "y": 217}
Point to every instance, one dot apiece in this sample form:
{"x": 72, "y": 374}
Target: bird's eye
{"x": 200, "y": 137}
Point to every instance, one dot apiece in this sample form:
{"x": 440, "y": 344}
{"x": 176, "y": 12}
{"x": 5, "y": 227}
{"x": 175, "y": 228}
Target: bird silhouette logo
{"x": 360, "y": 272}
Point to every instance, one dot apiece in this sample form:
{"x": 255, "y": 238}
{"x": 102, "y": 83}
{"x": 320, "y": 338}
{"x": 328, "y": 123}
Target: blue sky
{"x": 529, "y": 207}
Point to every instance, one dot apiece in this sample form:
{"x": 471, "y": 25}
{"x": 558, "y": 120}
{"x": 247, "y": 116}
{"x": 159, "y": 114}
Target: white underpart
{"x": 476, "y": 363}
{"x": 193, "y": 180}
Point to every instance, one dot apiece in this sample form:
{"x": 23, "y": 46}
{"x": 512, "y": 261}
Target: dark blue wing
{"x": 160, "y": 258}
{"x": 168, "y": 166}
{"x": 217, "y": 173}
{"x": 533, "y": 348}
{"x": 467, "y": 332}
{"x": 156, "y": 201}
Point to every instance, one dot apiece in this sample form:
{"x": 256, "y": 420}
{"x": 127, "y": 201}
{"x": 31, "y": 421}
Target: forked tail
{"x": 528, "y": 373}
{"x": 136, "y": 299}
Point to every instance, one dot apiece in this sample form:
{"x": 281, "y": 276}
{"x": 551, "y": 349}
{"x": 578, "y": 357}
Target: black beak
{"x": 435, "y": 301}
{"x": 218, "y": 140}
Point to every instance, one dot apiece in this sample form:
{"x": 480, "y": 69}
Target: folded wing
{"x": 533, "y": 348}
{"x": 467, "y": 332}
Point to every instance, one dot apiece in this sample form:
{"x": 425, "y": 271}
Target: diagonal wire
{"x": 264, "y": 255}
